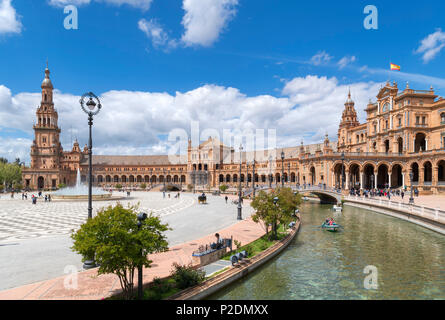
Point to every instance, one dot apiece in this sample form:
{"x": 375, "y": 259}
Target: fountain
{"x": 80, "y": 192}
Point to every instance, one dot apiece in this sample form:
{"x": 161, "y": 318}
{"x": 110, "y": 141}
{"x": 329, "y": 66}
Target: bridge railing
{"x": 421, "y": 211}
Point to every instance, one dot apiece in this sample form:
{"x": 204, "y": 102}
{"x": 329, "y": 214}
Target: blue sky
{"x": 258, "y": 48}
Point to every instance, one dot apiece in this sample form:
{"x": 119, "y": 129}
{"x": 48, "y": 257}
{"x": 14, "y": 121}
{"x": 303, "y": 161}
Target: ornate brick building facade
{"x": 404, "y": 132}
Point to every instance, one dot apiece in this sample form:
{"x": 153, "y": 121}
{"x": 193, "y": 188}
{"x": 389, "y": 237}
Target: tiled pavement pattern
{"x": 21, "y": 220}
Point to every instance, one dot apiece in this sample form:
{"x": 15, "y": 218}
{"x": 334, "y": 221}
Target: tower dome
{"x": 47, "y": 81}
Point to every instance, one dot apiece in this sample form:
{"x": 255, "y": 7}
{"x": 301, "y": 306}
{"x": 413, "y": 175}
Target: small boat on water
{"x": 305, "y": 199}
{"x": 337, "y": 208}
{"x": 331, "y": 228}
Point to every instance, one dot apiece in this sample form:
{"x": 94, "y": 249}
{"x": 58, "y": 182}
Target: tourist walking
{"x": 402, "y": 194}
{"x": 226, "y": 198}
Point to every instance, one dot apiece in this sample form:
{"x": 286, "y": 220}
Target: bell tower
{"x": 46, "y": 148}
{"x": 348, "y": 120}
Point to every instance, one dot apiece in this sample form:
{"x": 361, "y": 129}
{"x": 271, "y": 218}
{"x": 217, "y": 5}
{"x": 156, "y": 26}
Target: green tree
{"x": 10, "y": 173}
{"x": 271, "y": 214}
{"x": 143, "y": 186}
{"x": 223, "y": 188}
{"x": 118, "y": 186}
{"x": 113, "y": 238}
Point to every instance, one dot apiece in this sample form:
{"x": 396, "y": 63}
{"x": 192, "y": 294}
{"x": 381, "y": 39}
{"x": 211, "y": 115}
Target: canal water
{"x": 408, "y": 261}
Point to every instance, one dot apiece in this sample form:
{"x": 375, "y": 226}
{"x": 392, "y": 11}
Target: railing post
{"x": 437, "y": 214}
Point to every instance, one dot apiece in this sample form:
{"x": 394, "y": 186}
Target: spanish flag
{"x": 395, "y": 67}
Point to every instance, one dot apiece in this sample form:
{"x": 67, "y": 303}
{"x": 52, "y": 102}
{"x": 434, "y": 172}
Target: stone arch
{"x": 124, "y": 179}
{"x": 337, "y": 169}
{"x": 396, "y": 175}
{"x": 154, "y": 179}
{"x": 228, "y": 178}
{"x": 40, "y": 182}
{"x": 354, "y": 175}
{"x": 414, "y": 167}
{"x": 400, "y": 145}
{"x": 108, "y": 178}
{"x": 139, "y": 179}
{"x": 368, "y": 175}
{"x": 313, "y": 175}
{"x": 146, "y": 178}
{"x": 131, "y": 179}
{"x": 116, "y": 178}
{"x": 427, "y": 172}
{"x": 382, "y": 175}
{"x": 100, "y": 179}
{"x": 441, "y": 172}
{"x": 420, "y": 142}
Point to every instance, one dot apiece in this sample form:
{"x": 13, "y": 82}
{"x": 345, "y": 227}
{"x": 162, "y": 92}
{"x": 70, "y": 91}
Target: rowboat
{"x": 330, "y": 228}
{"x": 337, "y": 208}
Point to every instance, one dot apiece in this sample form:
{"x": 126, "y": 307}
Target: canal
{"x": 409, "y": 261}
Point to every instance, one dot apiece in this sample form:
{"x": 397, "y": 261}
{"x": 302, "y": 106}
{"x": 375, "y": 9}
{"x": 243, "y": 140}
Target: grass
{"x": 258, "y": 245}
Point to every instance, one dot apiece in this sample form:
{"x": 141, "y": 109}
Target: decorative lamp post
{"x": 253, "y": 177}
{"x": 164, "y": 177}
{"x": 91, "y": 108}
{"x": 282, "y": 168}
{"x": 180, "y": 178}
{"x": 342, "y": 170}
{"x": 141, "y": 218}
{"x": 194, "y": 179}
{"x": 288, "y": 173}
{"x": 247, "y": 174}
{"x": 151, "y": 178}
{"x": 411, "y": 198}
{"x": 270, "y": 172}
{"x": 239, "y": 197}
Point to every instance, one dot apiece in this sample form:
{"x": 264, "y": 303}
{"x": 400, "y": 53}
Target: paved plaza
{"x": 35, "y": 239}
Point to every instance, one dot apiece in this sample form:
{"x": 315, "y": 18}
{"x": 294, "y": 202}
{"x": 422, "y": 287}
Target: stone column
{"x": 347, "y": 180}
{"x": 403, "y": 180}
{"x": 389, "y": 179}
{"x": 361, "y": 180}
{"x": 376, "y": 176}
{"x": 435, "y": 179}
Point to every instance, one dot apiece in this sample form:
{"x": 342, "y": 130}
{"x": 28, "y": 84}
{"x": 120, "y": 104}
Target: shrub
{"x": 118, "y": 186}
{"x": 237, "y": 244}
{"x": 186, "y": 277}
{"x": 223, "y": 188}
{"x": 143, "y": 186}
{"x": 190, "y": 187}
{"x": 61, "y": 185}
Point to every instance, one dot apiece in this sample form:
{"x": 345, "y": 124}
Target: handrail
{"x": 418, "y": 210}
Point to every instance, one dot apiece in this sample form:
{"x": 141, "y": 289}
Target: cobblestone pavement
{"x": 35, "y": 239}
{"x": 21, "y": 220}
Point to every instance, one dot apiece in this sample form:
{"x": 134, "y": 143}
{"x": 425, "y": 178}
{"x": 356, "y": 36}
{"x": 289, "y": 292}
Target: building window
{"x": 442, "y": 118}
{"x": 423, "y": 120}
{"x": 417, "y": 120}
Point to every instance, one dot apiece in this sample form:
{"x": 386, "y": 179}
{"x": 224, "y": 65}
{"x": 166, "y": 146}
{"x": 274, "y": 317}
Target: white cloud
{"x": 154, "y": 31}
{"x": 320, "y": 58}
{"x": 9, "y": 21}
{"x": 310, "y": 106}
{"x": 62, "y": 3}
{"x": 141, "y": 4}
{"x": 431, "y": 45}
{"x": 204, "y": 20}
{"x": 346, "y": 61}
